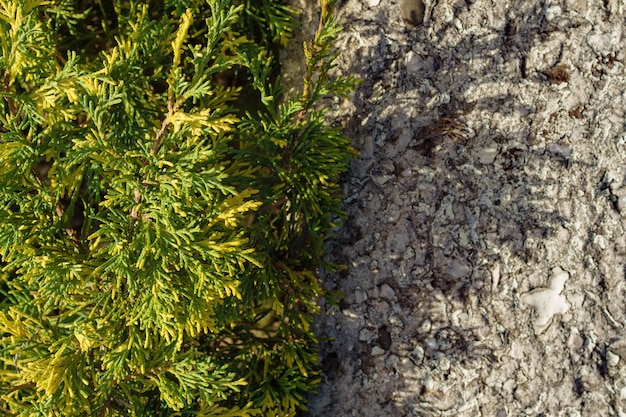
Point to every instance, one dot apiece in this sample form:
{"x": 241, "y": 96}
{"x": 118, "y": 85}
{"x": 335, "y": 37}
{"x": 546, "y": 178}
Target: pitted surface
{"x": 493, "y": 159}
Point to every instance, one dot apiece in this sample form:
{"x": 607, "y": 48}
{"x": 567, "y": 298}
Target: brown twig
{"x": 5, "y": 88}
{"x": 158, "y": 140}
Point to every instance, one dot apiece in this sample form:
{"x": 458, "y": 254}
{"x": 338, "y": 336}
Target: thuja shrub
{"x": 163, "y": 207}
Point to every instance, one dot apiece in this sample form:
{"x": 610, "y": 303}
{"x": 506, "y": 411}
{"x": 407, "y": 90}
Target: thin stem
{"x": 314, "y": 47}
{"x": 158, "y": 140}
{"x": 5, "y": 87}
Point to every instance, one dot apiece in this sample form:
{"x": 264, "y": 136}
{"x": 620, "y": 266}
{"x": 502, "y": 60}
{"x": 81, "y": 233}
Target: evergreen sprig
{"x": 162, "y": 207}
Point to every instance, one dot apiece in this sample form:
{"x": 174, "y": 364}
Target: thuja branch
{"x": 177, "y": 48}
{"x": 6, "y": 85}
{"x": 318, "y": 59}
{"x": 158, "y": 140}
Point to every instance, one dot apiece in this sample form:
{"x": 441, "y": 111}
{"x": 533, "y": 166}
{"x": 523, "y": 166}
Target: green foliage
{"x": 162, "y": 207}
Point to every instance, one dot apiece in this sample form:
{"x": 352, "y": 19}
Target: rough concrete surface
{"x": 485, "y": 238}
